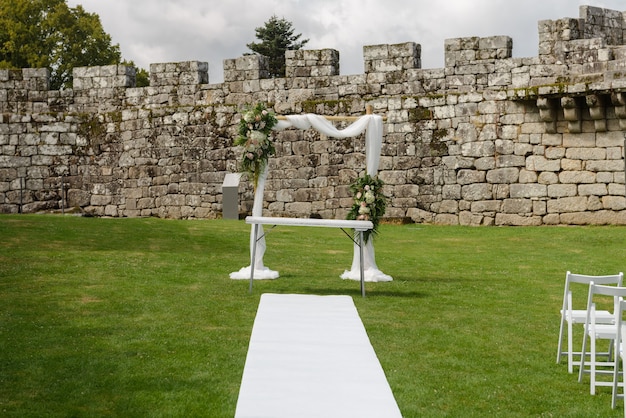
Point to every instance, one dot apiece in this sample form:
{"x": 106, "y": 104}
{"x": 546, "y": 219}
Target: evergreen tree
{"x": 276, "y": 37}
{"x": 49, "y": 34}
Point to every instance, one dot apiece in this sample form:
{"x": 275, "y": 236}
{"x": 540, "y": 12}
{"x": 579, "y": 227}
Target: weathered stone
{"x": 577, "y": 177}
{"x": 567, "y": 204}
{"x": 526, "y": 176}
{"x": 528, "y": 190}
{"x": 470, "y": 176}
{"x": 520, "y": 206}
{"x": 503, "y": 175}
{"x": 586, "y": 153}
{"x": 488, "y": 139}
{"x": 594, "y": 218}
{"x": 541, "y": 163}
{"x": 491, "y": 206}
{"x": 503, "y": 219}
{"x": 548, "y": 177}
{"x": 614, "y": 202}
{"x": 478, "y": 191}
{"x": 592, "y": 189}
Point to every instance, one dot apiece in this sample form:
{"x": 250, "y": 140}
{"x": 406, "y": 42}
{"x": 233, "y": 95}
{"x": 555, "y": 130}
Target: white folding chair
{"x": 571, "y": 316}
{"x": 601, "y": 331}
{"x": 620, "y": 359}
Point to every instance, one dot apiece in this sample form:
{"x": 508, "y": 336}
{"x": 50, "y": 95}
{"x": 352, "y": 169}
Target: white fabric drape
{"x": 260, "y": 271}
{"x": 373, "y": 127}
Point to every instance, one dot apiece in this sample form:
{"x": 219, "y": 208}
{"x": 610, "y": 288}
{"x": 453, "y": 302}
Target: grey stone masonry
{"x": 488, "y": 139}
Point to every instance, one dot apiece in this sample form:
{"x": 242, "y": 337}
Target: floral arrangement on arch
{"x": 369, "y": 202}
{"x": 255, "y": 137}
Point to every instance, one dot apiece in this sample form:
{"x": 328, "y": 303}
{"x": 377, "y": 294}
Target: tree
{"x": 49, "y": 34}
{"x": 276, "y": 37}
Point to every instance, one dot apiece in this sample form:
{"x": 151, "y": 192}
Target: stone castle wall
{"x": 487, "y": 140}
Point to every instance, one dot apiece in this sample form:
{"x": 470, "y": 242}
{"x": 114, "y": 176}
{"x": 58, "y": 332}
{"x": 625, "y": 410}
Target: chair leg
{"x": 559, "y": 351}
{"x": 592, "y": 367}
{"x": 616, "y": 374}
{"x": 570, "y": 348}
{"x": 583, "y": 353}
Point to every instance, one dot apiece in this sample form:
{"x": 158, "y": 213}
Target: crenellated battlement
{"x": 486, "y": 139}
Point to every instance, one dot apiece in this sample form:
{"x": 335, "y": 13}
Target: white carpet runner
{"x": 309, "y": 356}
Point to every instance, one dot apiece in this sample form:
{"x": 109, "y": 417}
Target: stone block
{"x": 446, "y": 219}
{"x": 594, "y": 218}
{"x": 491, "y": 206}
{"x": 604, "y": 165}
{"x": 478, "y": 191}
{"x": 503, "y": 161}
{"x": 485, "y": 163}
{"x": 592, "y": 190}
{"x": 448, "y": 206}
{"x": 586, "y": 153}
{"x": 567, "y": 204}
{"x": 478, "y": 149}
{"x": 548, "y": 177}
{"x": 526, "y": 176}
{"x": 528, "y": 190}
{"x": 541, "y": 163}
{"x": 505, "y": 219}
{"x": 614, "y": 202}
{"x": 577, "y": 177}
{"x": 78, "y": 198}
{"x": 470, "y": 176}
{"x": 583, "y": 140}
{"x": 503, "y": 175}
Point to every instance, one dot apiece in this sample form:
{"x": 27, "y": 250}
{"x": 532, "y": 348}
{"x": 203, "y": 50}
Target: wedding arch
{"x": 372, "y": 125}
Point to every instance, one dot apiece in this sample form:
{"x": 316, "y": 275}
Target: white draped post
{"x": 260, "y": 271}
{"x": 373, "y": 127}
{"x": 373, "y": 145}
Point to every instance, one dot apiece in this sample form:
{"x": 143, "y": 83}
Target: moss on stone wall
{"x": 419, "y": 114}
{"x": 438, "y": 146}
{"x": 327, "y": 107}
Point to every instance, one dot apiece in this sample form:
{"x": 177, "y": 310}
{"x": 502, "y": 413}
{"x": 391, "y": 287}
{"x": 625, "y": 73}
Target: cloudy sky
{"x": 155, "y": 31}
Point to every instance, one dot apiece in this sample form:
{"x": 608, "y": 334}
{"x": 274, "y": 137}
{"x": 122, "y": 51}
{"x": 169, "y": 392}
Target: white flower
{"x": 364, "y": 210}
{"x": 257, "y": 136}
{"x": 249, "y": 116}
{"x": 369, "y": 197}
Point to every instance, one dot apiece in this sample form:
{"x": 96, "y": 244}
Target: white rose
{"x": 257, "y": 136}
{"x": 249, "y": 116}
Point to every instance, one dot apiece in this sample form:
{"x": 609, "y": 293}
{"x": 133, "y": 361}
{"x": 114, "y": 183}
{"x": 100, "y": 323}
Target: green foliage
{"x": 255, "y": 136}
{"x": 49, "y": 34}
{"x": 369, "y": 202}
{"x": 142, "y": 78}
{"x": 277, "y": 36}
{"x": 138, "y": 317}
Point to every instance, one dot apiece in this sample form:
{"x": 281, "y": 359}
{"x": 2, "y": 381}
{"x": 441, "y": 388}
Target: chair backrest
{"x": 602, "y": 280}
{"x": 617, "y": 292}
{"x": 613, "y": 279}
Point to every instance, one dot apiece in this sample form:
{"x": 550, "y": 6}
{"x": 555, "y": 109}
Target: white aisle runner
{"x": 309, "y": 356}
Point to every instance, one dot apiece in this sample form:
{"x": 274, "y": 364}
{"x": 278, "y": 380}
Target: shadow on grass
{"x": 356, "y": 292}
{"x": 400, "y": 287}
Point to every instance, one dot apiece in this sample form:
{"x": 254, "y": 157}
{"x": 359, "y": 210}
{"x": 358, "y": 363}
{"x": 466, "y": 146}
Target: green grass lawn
{"x": 138, "y": 317}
